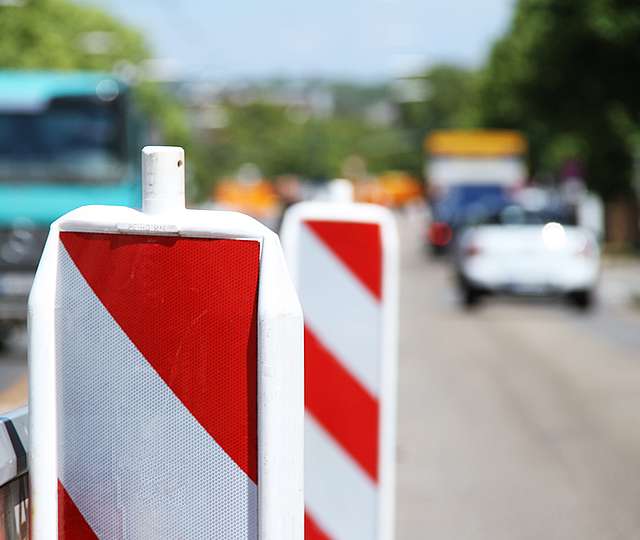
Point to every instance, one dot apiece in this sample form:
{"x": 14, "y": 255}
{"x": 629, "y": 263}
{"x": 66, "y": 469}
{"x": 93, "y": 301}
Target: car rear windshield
{"x": 517, "y": 215}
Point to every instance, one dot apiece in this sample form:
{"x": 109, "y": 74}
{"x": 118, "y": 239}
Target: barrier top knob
{"x": 341, "y": 191}
{"x": 162, "y": 179}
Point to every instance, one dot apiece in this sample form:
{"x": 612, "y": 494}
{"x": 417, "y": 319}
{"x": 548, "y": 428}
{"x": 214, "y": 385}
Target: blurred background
{"x": 506, "y": 138}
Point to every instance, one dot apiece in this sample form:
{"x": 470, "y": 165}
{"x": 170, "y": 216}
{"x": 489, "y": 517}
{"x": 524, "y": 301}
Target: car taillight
{"x": 440, "y": 234}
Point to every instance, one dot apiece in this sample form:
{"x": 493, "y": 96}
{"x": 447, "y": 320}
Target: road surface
{"x": 520, "y": 420}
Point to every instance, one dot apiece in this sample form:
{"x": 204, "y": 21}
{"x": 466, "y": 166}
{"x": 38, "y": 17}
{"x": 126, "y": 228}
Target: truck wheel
{"x": 582, "y": 299}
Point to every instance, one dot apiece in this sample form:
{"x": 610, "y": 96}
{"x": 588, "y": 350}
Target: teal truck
{"x": 67, "y": 139}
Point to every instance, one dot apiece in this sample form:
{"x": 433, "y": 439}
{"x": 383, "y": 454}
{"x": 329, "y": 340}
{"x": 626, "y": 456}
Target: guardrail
{"x": 14, "y": 482}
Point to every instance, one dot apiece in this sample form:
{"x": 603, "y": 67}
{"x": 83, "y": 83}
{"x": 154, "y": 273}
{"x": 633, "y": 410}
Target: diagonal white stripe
{"x": 132, "y": 457}
{"x": 338, "y": 495}
{"x": 339, "y": 310}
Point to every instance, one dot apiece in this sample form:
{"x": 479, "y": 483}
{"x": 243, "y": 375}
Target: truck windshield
{"x": 77, "y": 139}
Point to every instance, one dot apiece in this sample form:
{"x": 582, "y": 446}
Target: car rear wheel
{"x": 436, "y": 251}
{"x": 582, "y": 299}
{"x": 470, "y": 296}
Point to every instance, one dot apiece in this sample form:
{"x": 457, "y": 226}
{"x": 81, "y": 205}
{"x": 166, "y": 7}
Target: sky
{"x": 348, "y": 39}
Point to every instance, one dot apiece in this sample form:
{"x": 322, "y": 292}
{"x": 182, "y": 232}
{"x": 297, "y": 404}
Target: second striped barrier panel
{"x": 343, "y": 258}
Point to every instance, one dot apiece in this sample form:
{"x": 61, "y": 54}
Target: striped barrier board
{"x": 344, "y": 262}
{"x": 166, "y": 350}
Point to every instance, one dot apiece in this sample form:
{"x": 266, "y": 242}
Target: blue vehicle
{"x": 462, "y": 204}
{"x": 66, "y": 140}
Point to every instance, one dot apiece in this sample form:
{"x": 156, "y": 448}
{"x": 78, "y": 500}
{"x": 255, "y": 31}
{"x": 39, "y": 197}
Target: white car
{"x": 527, "y": 253}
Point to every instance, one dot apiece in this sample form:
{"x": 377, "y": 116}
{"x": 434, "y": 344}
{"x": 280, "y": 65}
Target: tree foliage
{"x": 61, "y": 35}
{"x": 567, "y": 72}
{"x": 56, "y": 34}
{"x": 442, "y": 97}
{"x": 447, "y": 100}
{"x": 280, "y": 142}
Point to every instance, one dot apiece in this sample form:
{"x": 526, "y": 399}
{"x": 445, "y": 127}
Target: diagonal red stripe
{"x": 358, "y": 246}
{"x": 312, "y": 531}
{"x": 189, "y": 306}
{"x": 71, "y": 523}
{"x": 341, "y": 404}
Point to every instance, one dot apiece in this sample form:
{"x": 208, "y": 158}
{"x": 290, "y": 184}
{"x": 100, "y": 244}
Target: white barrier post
{"x": 344, "y": 261}
{"x": 340, "y": 191}
{"x": 166, "y": 378}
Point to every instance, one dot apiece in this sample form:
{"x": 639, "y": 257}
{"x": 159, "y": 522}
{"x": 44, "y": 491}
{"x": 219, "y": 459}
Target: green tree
{"x": 61, "y": 35}
{"x": 443, "y": 97}
{"x": 565, "y": 72}
{"x": 58, "y": 34}
{"x": 281, "y": 142}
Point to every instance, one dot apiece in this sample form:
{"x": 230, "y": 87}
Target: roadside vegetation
{"x": 565, "y": 73}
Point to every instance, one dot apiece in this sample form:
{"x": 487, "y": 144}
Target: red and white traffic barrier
{"x": 344, "y": 260}
{"x": 166, "y": 381}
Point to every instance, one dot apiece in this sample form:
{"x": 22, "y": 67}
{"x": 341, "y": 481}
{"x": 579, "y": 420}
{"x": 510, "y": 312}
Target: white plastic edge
{"x": 366, "y": 213}
{"x": 19, "y": 418}
{"x": 280, "y": 363}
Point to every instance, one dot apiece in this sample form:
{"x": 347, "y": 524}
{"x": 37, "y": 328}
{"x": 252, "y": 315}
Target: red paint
{"x": 312, "y": 531}
{"x": 190, "y": 307}
{"x": 71, "y": 523}
{"x": 341, "y": 405}
{"x": 358, "y": 246}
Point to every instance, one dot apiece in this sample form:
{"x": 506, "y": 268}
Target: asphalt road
{"x": 520, "y": 420}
